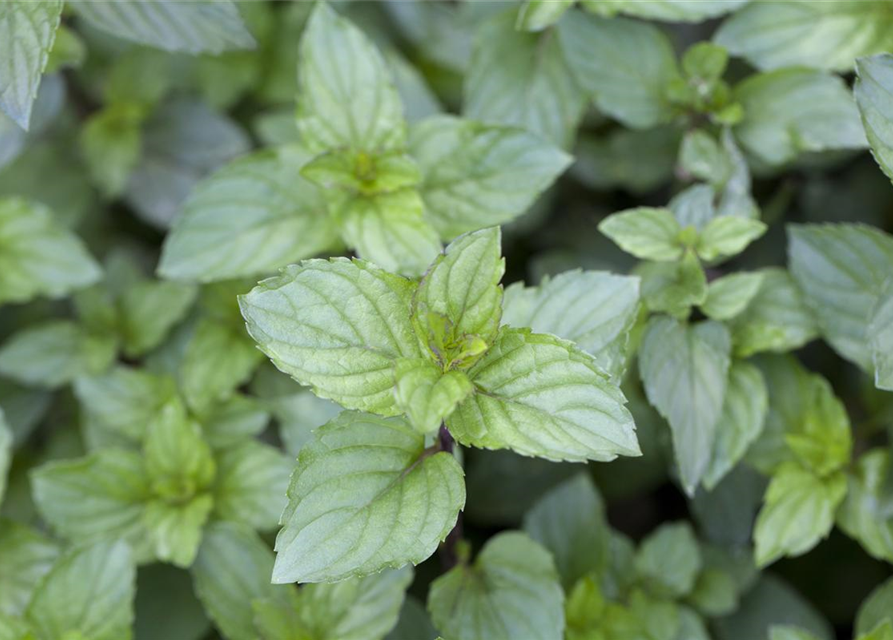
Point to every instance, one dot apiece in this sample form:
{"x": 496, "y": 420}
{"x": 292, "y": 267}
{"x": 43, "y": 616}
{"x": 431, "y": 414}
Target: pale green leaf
{"x": 684, "y": 369}
{"x": 239, "y": 418}
{"x": 536, "y": 15}
{"x": 876, "y": 609}
{"x": 715, "y": 593}
{"x": 841, "y": 270}
{"x": 90, "y": 592}
{"x": 100, "y": 496}
{"x": 298, "y": 415}
{"x": 775, "y": 319}
{"x": 389, "y": 230}
{"x": 253, "y": 216}
{"x": 593, "y": 309}
{"x": 26, "y": 555}
{"x": 726, "y": 236}
{"x": 789, "y": 33}
{"x": 880, "y": 338}
{"x": 883, "y": 631}
{"x": 537, "y": 92}
{"x": 232, "y": 569}
{"x": 358, "y": 171}
{"x": 177, "y": 458}
{"x": 874, "y": 83}
{"x": 175, "y": 530}
{"x": 346, "y": 97}
{"x": 786, "y": 632}
{"x": 668, "y": 10}
{"x": 426, "y": 393}
{"x": 110, "y": 142}
{"x": 37, "y": 255}
{"x": 669, "y": 560}
{"x": 477, "y": 175}
{"x": 646, "y": 232}
{"x": 730, "y": 295}
{"x": 511, "y": 591}
{"x": 209, "y": 26}
{"x": 540, "y": 396}
{"x": 6, "y": 438}
{"x": 797, "y": 513}
{"x": 251, "y": 482}
{"x": 321, "y": 315}
{"x": 365, "y": 495}
{"x": 148, "y": 310}
{"x": 570, "y": 522}
{"x": 673, "y": 288}
{"x": 743, "y": 415}
{"x": 865, "y": 514}
{"x": 793, "y": 111}
{"x": 55, "y": 353}
{"x": 462, "y": 284}
{"x": 624, "y": 65}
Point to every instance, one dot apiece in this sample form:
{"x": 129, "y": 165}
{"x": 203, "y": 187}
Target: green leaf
{"x": 251, "y": 217}
{"x": 6, "y": 438}
{"x": 727, "y": 236}
{"x": 669, "y": 560}
{"x": 797, "y": 513}
{"x": 730, "y": 295}
{"x": 477, "y": 175}
{"x": 346, "y": 96}
{"x": 149, "y": 310}
{"x": 366, "y": 495}
{"x": 638, "y": 161}
{"x": 218, "y": 359}
{"x": 684, "y": 369}
{"x": 27, "y": 33}
{"x": 864, "y": 515}
{"x": 538, "y": 92}
{"x": 90, "y": 592}
{"x": 55, "y": 353}
{"x": 874, "y": 82}
{"x": 883, "y": 631}
{"x": 231, "y": 571}
{"x": 462, "y": 284}
{"x": 511, "y": 591}
{"x": 320, "y": 315}
{"x": 799, "y": 32}
{"x": 702, "y": 156}
{"x": 540, "y": 396}
{"x": 715, "y": 593}
{"x": 239, "y": 418}
{"x": 668, "y": 10}
{"x": 175, "y": 530}
{"x": 37, "y": 255}
{"x": 841, "y": 270}
{"x": 358, "y": 171}
{"x": 178, "y": 460}
{"x": 624, "y": 65}
{"x": 426, "y": 393}
{"x": 209, "y": 26}
{"x": 26, "y": 555}
{"x": 100, "y": 496}
{"x": 252, "y": 479}
{"x": 793, "y": 111}
{"x": 645, "y": 232}
{"x": 786, "y": 632}
{"x": 774, "y": 319}
{"x": 389, "y": 229}
{"x": 880, "y": 338}
{"x": 536, "y": 15}
{"x": 166, "y": 605}
{"x": 111, "y": 142}
{"x": 673, "y": 288}
{"x": 298, "y": 415}
{"x": 570, "y": 522}
{"x": 414, "y": 622}
{"x": 593, "y": 309}
{"x": 743, "y": 415}
{"x": 821, "y": 440}
{"x": 876, "y": 608}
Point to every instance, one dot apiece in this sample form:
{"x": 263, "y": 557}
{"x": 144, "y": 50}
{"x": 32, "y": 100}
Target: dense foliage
{"x": 474, "y": 320}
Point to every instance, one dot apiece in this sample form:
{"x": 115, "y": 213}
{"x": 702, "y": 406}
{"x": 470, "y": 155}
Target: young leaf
{"x": 149, "y": 309}
{"x": 570, "y": 522}
{"x": 511, "y": 591}
{"x": 253, "y": 216}
{"x": 873, "y": 84}
{"x": 623, "y": 64}
{"x": 426, "y": 393}
{"x": 841, "y": 270}
{"x": 477, "y": 175}
{"x": 798, "y": 512}
{"x": 347, "y": 98}
{"x": 462, "y": 284}
{"x": 27, "y": 33}
{"x": 726, "y": 236}
{"x": 684, "y": 369}
{"x": 792, "y": 33}
{"x": 209, "y": 26}
{"x": 26, "y": 555}
{"x": 536, "y": 15}
{"x": 880, "y": 338}
{"x": 729, "y": 295}
{"x": 175, "y": 529}
{"x": 539, "y": 396}
{"x": 366, "y": 495}
{"x": 251, "y": 482}
{"x": 178, "y": 460}
{"x": 669, "y": 560}
{"x": 794, "y": 111}
{"x": 647, "y": 233}
{"x": 538, "y": 92}
{"x": 37, "y": 255}
{"x": 864, "y": 515}
{"x": 319, "y": 316}
{"x": 673, "y": 288}
{"x": 593, "y": 309}
{"x": 89, "y": 591}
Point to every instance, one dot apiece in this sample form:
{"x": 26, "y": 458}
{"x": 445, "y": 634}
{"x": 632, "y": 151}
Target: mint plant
{"x": 476, "y": 321}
